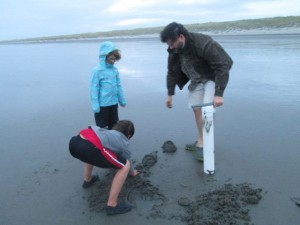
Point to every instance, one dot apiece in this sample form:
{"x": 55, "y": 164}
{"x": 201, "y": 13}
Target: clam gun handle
{"x": 204, "y": 104}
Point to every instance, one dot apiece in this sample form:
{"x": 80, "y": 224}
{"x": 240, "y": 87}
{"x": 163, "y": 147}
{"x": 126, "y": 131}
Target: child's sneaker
{"x": 87, "y": 184}
{"x": 118, "y": 209}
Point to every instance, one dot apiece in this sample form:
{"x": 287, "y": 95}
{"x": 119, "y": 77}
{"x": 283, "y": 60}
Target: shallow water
{"x": 44, "y": 99}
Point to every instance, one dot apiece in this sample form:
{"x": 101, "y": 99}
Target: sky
{"x": 21, "y": 19}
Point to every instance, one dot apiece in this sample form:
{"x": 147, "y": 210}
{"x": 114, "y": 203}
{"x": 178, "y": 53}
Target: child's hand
{"x": 135, "y": 172}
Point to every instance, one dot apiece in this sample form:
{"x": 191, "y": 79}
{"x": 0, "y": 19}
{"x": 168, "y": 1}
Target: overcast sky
{"x": 37, "y": 18}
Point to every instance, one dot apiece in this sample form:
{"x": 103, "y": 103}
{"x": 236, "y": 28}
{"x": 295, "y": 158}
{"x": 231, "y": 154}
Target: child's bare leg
{"x": 87, "y": 172}
{"x": 117, "y": 184}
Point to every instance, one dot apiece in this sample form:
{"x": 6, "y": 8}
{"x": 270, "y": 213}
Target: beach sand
{"x": 251, "y": 185}
{"x": 227, "y": 204}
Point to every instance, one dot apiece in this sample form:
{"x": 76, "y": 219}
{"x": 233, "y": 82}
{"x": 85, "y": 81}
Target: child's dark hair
{"x": 172, "y": 31}
{"x": 126, "y": 127}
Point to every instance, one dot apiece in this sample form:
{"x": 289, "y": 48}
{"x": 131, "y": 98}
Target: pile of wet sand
{"x": 224, "y": 205}
{"x": 135, "y": 188}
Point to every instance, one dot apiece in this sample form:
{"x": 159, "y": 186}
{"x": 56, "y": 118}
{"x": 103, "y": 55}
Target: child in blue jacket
{"x": 106, "y": 90}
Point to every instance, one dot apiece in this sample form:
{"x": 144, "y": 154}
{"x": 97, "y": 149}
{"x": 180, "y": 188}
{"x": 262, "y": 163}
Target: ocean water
{"x": 265, "y": 67}
{"x": 44, "y": 95}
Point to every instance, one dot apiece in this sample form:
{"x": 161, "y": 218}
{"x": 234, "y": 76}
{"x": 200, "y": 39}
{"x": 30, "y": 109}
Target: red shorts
{"x": 87, "y": 152}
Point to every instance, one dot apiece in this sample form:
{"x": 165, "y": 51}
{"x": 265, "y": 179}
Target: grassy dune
{"x": 265, "y": 24}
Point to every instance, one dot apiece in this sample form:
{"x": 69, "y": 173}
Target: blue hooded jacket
{"x": 106, "y": 89}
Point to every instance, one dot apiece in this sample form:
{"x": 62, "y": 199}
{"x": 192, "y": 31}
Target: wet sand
{"x": 255, "y": 180}
{"x": 227, "y": 204}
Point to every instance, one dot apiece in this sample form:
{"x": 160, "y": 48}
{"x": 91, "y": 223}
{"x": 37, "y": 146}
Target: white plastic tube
{"x": 208, "y": 139}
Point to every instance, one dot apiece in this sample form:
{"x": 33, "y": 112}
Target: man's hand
{"x": 169, "y": 101}
{"x": 218, "y": 101}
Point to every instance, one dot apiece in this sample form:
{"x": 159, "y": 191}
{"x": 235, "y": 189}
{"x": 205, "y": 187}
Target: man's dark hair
{"x": 126, "y": 127}
{"x": 172, "y": 32}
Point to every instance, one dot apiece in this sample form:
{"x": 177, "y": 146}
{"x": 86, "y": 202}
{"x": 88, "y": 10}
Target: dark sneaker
{"x": 87, "y": 184}
{"x": 199, "y": 153}
{"x": 119, "y": 209}
{"x": 191, "y": 147}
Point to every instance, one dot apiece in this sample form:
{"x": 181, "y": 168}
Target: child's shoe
{"x": 118, "y": 209}
{"x": 87, "y": 184}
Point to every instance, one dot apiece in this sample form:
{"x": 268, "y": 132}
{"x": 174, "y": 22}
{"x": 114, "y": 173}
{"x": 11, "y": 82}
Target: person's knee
{"x": 197, "y": 110}
{"x": 126, "y": 167}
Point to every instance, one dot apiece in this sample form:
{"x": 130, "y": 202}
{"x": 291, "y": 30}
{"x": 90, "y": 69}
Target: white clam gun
{"x": 208, "y": 138}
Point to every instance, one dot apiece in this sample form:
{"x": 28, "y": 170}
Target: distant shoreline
{"x": 263, "y": 26}
{"x": 282, "y": 31}
{"x": 288, "y": 30}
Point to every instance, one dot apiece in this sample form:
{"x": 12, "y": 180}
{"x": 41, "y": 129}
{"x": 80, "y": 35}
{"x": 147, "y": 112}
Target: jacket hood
{"x": 106, "y": 48}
